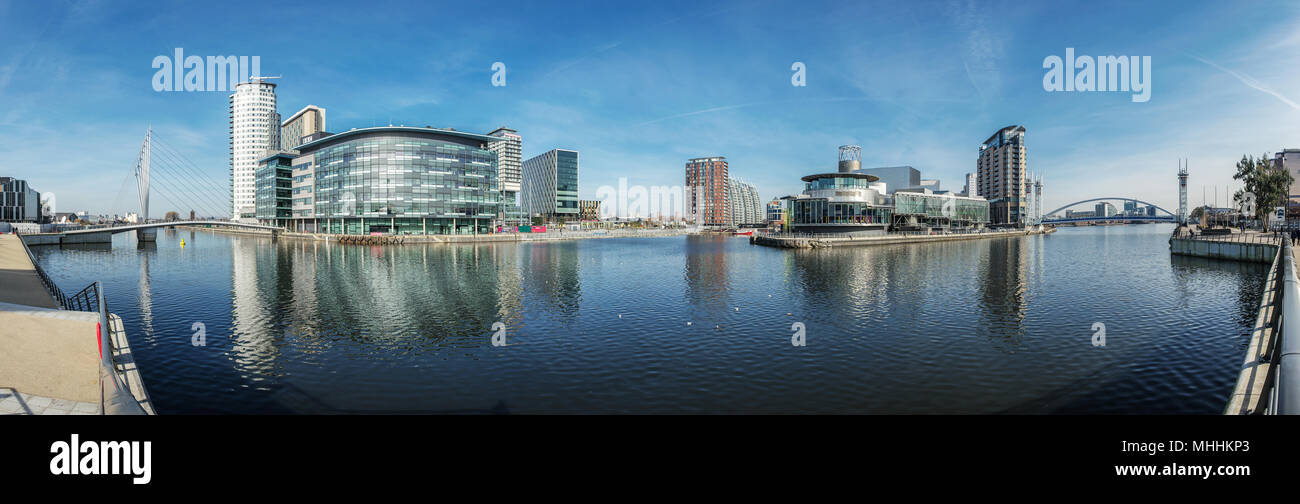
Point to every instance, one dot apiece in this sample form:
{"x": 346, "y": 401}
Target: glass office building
{"x": 273, "y": 187}
{"x": 923, "y": 209}
{"x": 397, "y": 180}
{"x": 550, "y": 186}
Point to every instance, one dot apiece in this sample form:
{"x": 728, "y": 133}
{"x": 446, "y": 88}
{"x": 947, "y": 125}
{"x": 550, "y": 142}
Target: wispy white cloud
{"x": 1249, "y": 81}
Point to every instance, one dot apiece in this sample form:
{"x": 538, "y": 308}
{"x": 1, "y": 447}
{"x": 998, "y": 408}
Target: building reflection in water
{"x": 550, "y": 272}
{"x": 705, "y": 271}
{"x": 1002, "y": 291}
{"x": 874, "y": 291}
{"x": 254, "y": 276}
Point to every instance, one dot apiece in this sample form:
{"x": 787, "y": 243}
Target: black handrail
{"x": 86, "y": 299}
{"x": 50, "y": 286}
{"x": 115, "y": 397}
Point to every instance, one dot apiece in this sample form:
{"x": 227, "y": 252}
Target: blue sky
{"x": 639, "y": 88}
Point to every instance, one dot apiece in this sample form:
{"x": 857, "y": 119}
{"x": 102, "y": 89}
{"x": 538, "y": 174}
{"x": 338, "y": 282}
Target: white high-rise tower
{"x": 254, "y": 124}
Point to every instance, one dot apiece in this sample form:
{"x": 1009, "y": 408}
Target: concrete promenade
{"x": 832, "y": 240}
{"x": 1248, "y": 246}
{"x": 482, "y": 238}
{"x": 22, "y": 285}
{"x": 50, "y": 357}
{"x": 1250, "y": 395}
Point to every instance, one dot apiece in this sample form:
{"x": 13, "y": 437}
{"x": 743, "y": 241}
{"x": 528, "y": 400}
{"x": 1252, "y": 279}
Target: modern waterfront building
{"x": 303, "y": 190}
{"x": 254, "y": 125}
{"x": 18, "y": 201}
{"x": 847, "y": 201}
{"x": 300, "y": 126}
{"x": 589, "y": 210}
{"x": 743, "y": 206}
{"x": 274, "y": 189}
{"x": 550, "y": 185}
{"x": 706, "y": 183}
{"x": 916, "y": 209}
{"x": 1000, "y": 172}
{"x": 391, "y": 180}
{"x": 509, "y": 151}
{"x": 854, "y": 201}
{"x": 839, "y": 203}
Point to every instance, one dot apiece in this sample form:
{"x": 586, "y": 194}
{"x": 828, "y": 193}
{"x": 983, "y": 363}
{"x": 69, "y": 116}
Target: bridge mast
{"x": 142, "y": 187}
{"x": 142, "y": 176}
{"x": 1182, "y": 192}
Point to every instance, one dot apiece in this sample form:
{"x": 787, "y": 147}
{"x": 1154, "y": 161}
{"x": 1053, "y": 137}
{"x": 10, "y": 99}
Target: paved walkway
{"x": 13, "y": 402}
{"x": 18, "y": 276}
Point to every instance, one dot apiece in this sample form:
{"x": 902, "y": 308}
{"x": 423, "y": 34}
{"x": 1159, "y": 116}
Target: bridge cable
{"x": 201, "y": 198}
{"x": 204, "y": 185}
{"x": 196, "y": 204}
{"x": 191, "y": 167}
{"x": 167, "y": 182}
{"x": 187, "y": 181}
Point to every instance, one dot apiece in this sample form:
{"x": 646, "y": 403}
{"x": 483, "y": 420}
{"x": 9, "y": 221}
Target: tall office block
{"x": 550, "y": 185}
{"x": 304, "y": 123}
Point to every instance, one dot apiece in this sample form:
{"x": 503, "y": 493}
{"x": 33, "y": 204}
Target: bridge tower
{"x": 142, "y": 187}
{"x": 1038, "y": 199}
{"x": 1182, "y": 192}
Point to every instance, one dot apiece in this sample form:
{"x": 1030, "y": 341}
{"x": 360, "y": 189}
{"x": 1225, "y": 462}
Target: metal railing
{"x": 1260, "y": 238}
{"x": 115, "y": 397}
{"x": 891, "y": 234}
{"x": 86, "y": 299}
{"x": 811, "y": 236}
{"x": 1286, "y": 388}
{"x": 50, "y": 286}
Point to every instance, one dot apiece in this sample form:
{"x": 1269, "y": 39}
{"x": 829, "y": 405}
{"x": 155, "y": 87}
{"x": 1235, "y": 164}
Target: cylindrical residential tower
{"x": 253, "y": 116}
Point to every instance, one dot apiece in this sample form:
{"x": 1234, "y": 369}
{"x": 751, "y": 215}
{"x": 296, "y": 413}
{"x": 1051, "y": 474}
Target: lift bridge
{"x": 1162, "y": 215}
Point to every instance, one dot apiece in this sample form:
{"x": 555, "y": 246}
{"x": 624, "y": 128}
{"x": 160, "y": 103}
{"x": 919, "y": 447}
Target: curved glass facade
{"x": 400, "y": 181}
{"x": 812, "y": 211}
{"x": 837, "y": 183}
